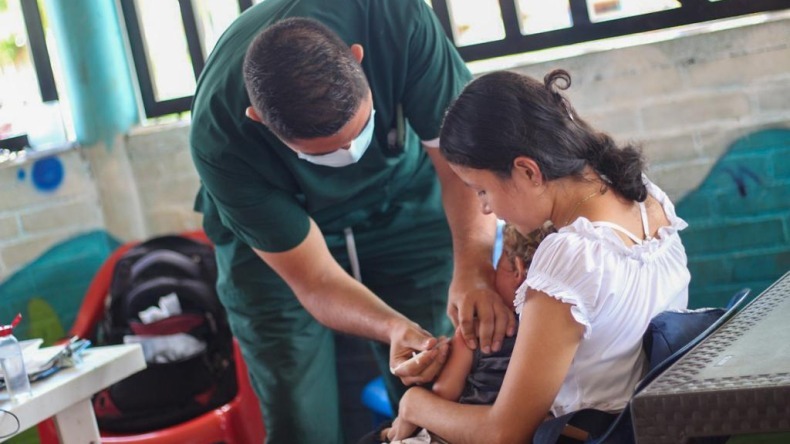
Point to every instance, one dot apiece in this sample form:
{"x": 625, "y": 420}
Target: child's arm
{"x": 452, "y": 378}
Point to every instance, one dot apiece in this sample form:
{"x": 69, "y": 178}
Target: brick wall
{"x": 709, "y": 110}
{"x": 739, "y": 219}
{"x": 51, "y": 241}
{"x": 689, "y": 100}
{"x": 142, "y": 186}
{"x": 686, "y": 99}
{"x": 166, "y": 178}
{"x": 33, "y": 217}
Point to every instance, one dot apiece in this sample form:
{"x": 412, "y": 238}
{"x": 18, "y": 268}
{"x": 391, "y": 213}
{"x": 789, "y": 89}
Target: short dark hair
{"x": 303, "y": 79}
{"x": 504, "y": 115}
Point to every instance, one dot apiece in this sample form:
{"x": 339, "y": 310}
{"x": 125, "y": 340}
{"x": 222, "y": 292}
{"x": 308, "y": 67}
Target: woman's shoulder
{"x": 583, "y": 234}
{"x": 675, "y": 222}
{"x": 568, "y": 268}
{"x": 580, "y": 238}
{"x": 566, "y": 265}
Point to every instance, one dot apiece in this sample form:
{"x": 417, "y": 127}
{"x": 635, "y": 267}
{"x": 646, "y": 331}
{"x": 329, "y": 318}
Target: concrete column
{"x": 101, "y": 94}
{"x": 97, "y": 69}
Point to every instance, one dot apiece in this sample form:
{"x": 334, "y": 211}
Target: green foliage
{"x": 43, "y": 12}
{"x": 8, "y": 50}
{"x": 29, "y": 436}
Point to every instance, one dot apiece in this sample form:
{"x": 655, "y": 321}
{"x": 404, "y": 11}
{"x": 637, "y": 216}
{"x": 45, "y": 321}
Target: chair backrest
{"x": 672, "y": 326}
{"x": 237, "y": 422}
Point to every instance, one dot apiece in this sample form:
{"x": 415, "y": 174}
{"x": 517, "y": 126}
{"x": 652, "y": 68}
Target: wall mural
{"x": 45, "y": 174}
{"x": 739, "y": 220}
{"x": 738, "y": 236}
{"x": 49, "y": 290}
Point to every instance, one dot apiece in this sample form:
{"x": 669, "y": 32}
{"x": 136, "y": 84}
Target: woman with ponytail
{"x": 616, "y": 261}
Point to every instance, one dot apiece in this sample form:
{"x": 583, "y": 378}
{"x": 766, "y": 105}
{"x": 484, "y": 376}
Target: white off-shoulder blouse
{"x": 614, "y": 290}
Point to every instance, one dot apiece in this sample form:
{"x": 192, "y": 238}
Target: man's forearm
{"x": 351, "y": 308}
{"x": 328, "y": 293}
{"x": 472, "y": 231}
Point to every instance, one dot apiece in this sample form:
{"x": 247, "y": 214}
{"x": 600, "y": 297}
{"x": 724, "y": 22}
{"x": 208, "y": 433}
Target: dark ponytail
{"x": 621, "y": 168}
{"x": 504, "y": 115}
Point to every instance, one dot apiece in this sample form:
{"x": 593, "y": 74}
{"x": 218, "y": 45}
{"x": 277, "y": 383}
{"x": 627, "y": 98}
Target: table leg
{"x": 77, "y": 424}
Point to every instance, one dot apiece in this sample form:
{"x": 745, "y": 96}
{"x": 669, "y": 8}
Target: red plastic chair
{"x": 237, "y": 422}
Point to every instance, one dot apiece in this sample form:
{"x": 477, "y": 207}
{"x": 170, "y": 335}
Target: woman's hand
{"x": 401, "y": 429}
{"x": 476, "y": 307}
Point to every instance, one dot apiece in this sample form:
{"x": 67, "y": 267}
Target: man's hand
{"x": 482, "y": 316}
{"x": 416, "y": 357}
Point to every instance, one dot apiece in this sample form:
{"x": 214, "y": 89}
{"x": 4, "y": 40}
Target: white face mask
{"x": 343, "y": 157}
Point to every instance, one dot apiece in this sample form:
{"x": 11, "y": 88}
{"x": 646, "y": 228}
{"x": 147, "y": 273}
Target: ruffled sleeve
{"x": 567, "y": 267}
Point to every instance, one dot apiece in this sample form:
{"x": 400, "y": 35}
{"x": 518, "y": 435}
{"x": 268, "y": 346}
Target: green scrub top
{"x": 256, "y": 191}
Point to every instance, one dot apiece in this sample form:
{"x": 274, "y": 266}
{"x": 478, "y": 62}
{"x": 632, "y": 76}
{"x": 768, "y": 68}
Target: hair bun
{"x": 559, "y": 79}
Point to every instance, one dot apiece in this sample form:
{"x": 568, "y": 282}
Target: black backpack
{"x": 166, "y": 393}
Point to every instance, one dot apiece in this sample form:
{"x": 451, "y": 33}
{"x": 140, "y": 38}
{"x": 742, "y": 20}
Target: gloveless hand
{"x": 478, "y": 310}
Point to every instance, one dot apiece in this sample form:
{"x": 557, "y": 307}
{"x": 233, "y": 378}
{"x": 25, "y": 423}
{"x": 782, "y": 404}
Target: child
{"x": 469, "y": 376}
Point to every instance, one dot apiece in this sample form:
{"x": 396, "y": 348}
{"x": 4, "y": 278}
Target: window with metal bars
{"x": 27, "y": 81}
{"x": 170, "y": 39}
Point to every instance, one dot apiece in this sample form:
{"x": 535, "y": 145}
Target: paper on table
{"x": 40, "y": 359}
{"x": 31, "y": 344}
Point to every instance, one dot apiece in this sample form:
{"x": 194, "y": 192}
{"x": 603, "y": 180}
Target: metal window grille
{"x": 154, "y": 107}
{"x": 38, "y": 50}
{"x": 583, "y": 29}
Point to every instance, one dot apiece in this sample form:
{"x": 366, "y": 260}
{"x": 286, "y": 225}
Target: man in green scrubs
{"x": 323, "y": 191}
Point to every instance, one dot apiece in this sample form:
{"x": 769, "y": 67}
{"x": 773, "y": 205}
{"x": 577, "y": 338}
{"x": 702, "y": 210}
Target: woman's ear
{"x": 527, "y": 167}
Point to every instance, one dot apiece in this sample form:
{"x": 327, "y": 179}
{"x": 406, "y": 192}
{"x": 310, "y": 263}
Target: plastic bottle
{"x": 13, "y": 364}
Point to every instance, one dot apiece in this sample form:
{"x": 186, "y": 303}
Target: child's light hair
{"x": 515, "y": 245}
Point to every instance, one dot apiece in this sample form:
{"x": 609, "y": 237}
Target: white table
{"x": 66, "y": 395}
